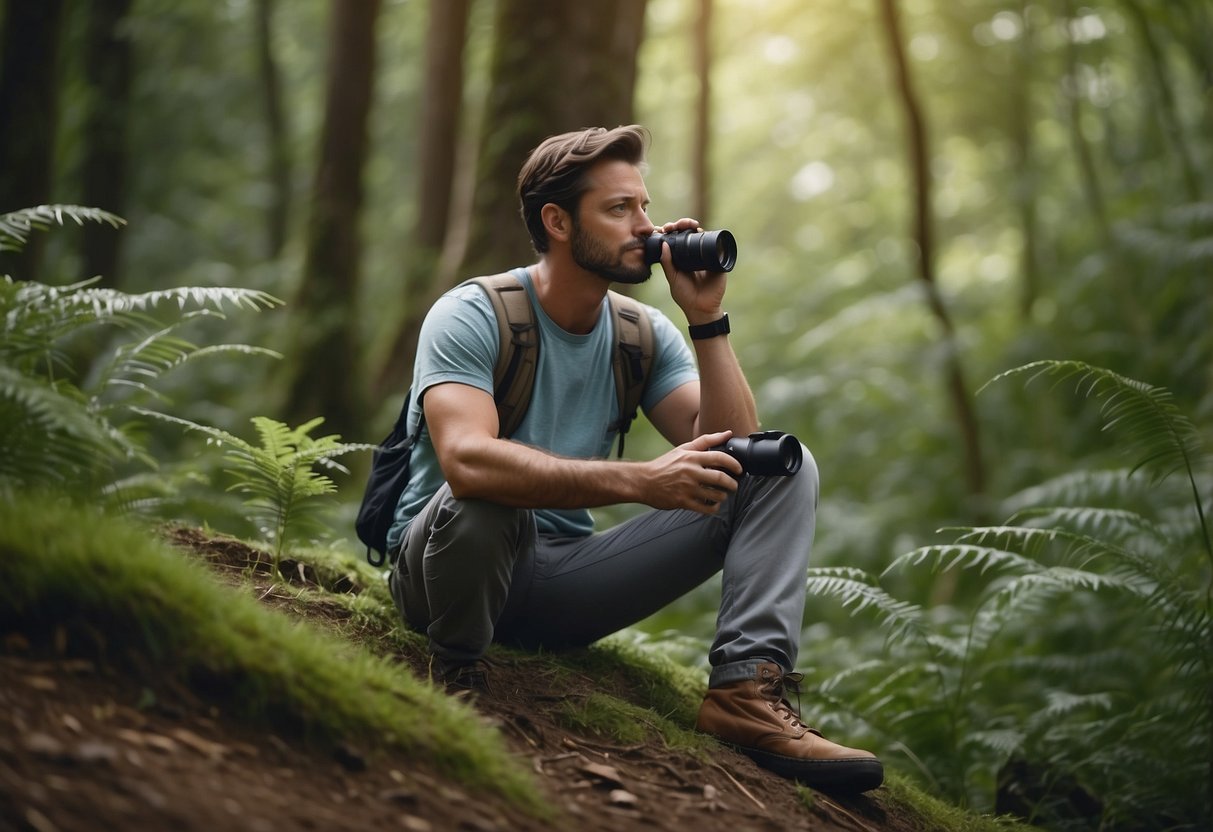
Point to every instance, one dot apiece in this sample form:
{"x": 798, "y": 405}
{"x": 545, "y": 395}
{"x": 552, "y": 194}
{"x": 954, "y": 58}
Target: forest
{"x": 974, "y": 277}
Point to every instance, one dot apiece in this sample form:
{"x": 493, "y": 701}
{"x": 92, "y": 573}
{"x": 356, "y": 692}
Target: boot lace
{"x": 776, "y": 687}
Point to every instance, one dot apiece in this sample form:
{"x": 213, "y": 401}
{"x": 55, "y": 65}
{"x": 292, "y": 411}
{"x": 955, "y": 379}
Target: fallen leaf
{"x": 610, "y": 774}
{"x": 41, "y": 682}
{"x": 620, "y": 797}
{"x": 204, "y": 747}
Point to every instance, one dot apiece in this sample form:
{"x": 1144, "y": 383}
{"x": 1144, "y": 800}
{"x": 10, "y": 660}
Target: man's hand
{"x": 692, "y": 476}
{"x": 698, "y": 294}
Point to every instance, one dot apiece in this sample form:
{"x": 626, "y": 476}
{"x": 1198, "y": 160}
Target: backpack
{"x": 513, "y": 383}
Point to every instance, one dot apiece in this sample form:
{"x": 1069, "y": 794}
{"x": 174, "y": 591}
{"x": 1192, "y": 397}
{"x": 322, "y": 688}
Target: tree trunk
{"x": 701, "y": 184}
{"x": 923, "y": 233}
{"x": 556, "y": 66}
{"x": 441, "y": 105}
{"x": 278, "y": 150}
{"x": 108, "y": 73}
{"x": 29, "y": 103}
{"x": 325, "y": 381}
{"x": 1167, "y": 110}
{"x": 1024, "y": 188}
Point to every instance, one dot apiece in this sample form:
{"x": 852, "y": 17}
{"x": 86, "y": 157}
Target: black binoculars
{"x": 771, "y": 453}
{"x": 695, "y": 251}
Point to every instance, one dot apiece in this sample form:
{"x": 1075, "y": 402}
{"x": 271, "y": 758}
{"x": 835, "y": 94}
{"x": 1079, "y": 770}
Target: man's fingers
{"x": 709, "y": 440}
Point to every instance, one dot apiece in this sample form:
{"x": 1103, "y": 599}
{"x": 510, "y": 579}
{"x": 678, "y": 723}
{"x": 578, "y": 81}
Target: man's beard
{"x": 592, "y": 255}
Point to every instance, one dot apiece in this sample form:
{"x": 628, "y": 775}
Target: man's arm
{"x": 721, "y": 399}
{"x": 462, "y": 422}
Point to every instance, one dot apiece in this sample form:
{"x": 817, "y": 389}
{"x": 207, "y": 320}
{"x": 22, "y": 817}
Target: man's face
{"x": 610, "y": 226}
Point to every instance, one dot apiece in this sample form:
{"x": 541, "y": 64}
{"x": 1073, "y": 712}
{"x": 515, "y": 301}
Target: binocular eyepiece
{"x": 695, "y": 251}
{"x": 771, "y": 453}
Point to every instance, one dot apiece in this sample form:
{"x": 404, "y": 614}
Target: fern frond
{"x": 1106, "y": 487}
{"x": 1062, "y": 704}
{"x": 1092, "y": 521}
{"x": 108, "y": 303}
{"x": 964, "y": 556}
{"x": 856, "y": 591}
{"x": 1002, "y": 741}
{"x": 1058, "y": 580}
{"x": 15, "y": 226}
{"x": 1164, "y": 440}
{"x": 48, "y": 435}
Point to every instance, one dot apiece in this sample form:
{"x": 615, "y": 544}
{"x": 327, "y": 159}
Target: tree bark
{"x": 556, "y": 66}
{"x": 701, "y": 184}
{"x": 277, "y": 140}
{"x": 1167, "y": 110}
{"x": 108, "y": 65}
{"x": 441, "y": 105}
{"x": 1025, "y": 167}
{"x": 923, "y": 234}
{"x": 29, "y": 104}
{"x": 325, "y": 381}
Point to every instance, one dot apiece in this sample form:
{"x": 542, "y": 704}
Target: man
{"x": 493, "y": 537}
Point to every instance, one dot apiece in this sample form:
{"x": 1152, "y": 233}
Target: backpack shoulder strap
{"x": 518, "y": 350}
{"x": 632, "y": 358}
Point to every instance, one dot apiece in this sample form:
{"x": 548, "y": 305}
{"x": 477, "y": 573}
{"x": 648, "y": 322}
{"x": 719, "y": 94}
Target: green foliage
{"x": 1087, "y": 656}
{"x": 278, "y": 476}
{"x": 15, "y": 227}
{"x": 60, "y": 425}
{"x": 146, "y": 604}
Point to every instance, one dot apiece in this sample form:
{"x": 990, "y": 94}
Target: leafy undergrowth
{"x": 165, "y": 680}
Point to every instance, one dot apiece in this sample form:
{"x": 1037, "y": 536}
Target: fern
{"x": 277, "y": 476}
{"x": 15, "y": 227}
{"x": 71, "y": 435}
{"x": 858, "y": 592}
{"x": 1088, "y": 653}
{"x": 1164, "y": 441}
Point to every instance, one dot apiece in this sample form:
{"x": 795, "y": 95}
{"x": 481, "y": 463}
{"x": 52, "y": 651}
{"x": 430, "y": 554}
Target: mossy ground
{"x": 166, "y": 678}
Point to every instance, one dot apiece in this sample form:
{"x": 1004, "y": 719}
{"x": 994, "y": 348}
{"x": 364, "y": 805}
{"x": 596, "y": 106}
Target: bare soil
{"x": 86, "y": 746}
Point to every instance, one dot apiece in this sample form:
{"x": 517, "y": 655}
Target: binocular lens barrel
{"x": 695, "y": 251}
{"x": 770, "y": 454}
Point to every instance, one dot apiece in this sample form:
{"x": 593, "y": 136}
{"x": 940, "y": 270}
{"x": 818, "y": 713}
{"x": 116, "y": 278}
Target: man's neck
{"x": 571, "y": 296}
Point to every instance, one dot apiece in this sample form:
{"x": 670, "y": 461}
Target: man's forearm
{"x": 725, "y": 399}
{"x": 519, "y": 475}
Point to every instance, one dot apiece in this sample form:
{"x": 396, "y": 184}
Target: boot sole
{"x": 854, "y": 775}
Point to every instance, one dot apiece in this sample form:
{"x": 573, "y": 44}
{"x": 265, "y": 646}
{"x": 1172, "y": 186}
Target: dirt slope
{"x": 85, "y": 747}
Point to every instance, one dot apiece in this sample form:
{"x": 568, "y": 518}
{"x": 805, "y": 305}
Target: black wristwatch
{"x": 702, "y": 332}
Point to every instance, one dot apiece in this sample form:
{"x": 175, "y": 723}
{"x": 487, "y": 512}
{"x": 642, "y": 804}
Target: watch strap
{"x": 701, "y": 332}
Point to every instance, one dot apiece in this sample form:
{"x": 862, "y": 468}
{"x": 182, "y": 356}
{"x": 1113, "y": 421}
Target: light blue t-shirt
{"x": 573, "y": 402}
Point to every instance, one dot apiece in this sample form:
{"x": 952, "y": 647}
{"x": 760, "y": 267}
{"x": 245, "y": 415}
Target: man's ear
{"x": 557, "y": 222}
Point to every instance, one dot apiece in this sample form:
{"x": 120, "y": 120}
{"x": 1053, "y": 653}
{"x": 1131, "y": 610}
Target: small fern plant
{"x": 67, "y": 428}
{"x": 1079, "y": 686}
{"x": 277, "y": 476}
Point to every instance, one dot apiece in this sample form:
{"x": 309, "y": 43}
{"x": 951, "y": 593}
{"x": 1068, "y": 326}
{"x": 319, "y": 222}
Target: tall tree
{"x": 1024, "y": 187}
{"x": 29, "y": 105}
{"x": 700, "y": 179}
{"x": 441, "y": 104}
{"x": 556, "y": 66}
{"x": 324, "y": 381}
{"x": 924, "y": 236}
{"x": 277, "y": 140}
{"x": 104, "y": 173}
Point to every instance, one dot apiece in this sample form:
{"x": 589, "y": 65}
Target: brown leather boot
{"x": 754, "y": 717}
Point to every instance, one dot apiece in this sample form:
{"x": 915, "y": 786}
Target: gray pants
{"x": 471, "y": 571}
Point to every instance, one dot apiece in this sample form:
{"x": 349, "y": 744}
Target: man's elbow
{"x": 463, "y": 471}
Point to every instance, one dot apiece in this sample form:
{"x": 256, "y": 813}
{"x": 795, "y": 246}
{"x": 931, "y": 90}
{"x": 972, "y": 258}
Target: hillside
{"x": 125, "y": 705}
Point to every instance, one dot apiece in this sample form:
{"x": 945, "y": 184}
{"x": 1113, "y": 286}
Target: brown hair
{"x": 555, "y": 170}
